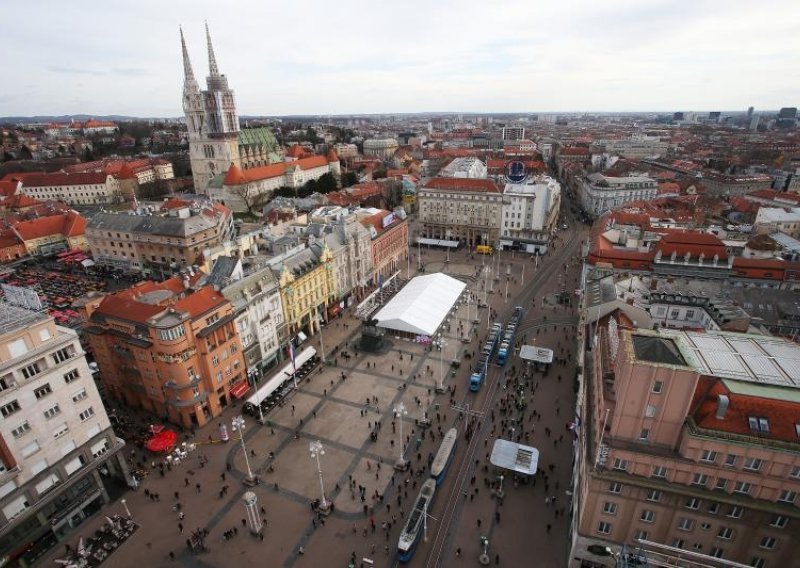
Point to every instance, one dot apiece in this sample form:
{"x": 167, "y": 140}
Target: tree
{"x": 327, "y": 183}
{"x": 349, "y": 178}
{"x": 251, "y": 199}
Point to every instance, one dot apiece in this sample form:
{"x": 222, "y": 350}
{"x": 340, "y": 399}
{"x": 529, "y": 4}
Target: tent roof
{"x": 421, "y": 306}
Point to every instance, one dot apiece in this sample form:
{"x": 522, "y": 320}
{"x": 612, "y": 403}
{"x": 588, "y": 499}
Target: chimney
{"x": 722, "y": 406}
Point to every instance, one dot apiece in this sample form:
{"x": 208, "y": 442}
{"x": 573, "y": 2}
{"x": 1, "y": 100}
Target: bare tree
{"x": 251, "y": 199}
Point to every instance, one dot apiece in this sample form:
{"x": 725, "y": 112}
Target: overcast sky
{"x": 375, "y": 56}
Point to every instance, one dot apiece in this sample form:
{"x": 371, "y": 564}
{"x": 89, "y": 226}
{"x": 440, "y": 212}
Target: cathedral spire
{"x": 188, "y": 74}
{"x": 212, "y": 61}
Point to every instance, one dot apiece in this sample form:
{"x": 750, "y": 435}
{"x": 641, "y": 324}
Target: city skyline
{"x": 452, "y": 57}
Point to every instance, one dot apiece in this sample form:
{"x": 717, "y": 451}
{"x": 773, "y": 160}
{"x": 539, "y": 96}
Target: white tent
{"x": 422, "y": 304}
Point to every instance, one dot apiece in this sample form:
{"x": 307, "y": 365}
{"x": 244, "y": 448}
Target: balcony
{"x": 179, "y": 403}
{"x": 172, "y": 385}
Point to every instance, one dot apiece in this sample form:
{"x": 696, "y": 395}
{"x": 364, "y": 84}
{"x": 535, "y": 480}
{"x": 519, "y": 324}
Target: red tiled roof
{"x": 68, "y": 224}
{"x": 236, "y": 176}
{"x": 59, "y": 178}
{"x": 782, "y": 415}
{"x": 296, "y": 151}
{"x": 669, "y": 187}
{"x": 203, "y": 300}
{"x": 175, "y": 203}
{"x": 763, "y": 263}
{"x": 331, "y": 156}
{"x": 8, "y": 188}
{"x": 694, "y": 242}
{"x": 463, "y": 184}
{"x": 9, "y": 239}
{"x": 574, "y": 151}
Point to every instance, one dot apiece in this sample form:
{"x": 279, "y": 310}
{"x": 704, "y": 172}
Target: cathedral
{"x": 215, "y": 141}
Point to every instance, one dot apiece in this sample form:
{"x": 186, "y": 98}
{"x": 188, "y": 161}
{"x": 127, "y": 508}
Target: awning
{"x": 333, "y": 310}
{"x": 86, "y": 263}
{"x": 240, "y": 389}
{"x": 514, "y": 456}
{"x": 301, "y": 337}
{"x": 536, "y": 354}
{"x": 437, "y": 242}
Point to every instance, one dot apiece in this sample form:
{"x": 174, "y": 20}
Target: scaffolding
{"x": 649, "y": 554}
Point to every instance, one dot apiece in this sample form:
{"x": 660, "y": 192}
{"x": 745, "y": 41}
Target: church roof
{"x": 296, "y": 151}
{"x": 332, "y": 157}
{"x": 257, "y": 136}
{"x": 237, "y": 176}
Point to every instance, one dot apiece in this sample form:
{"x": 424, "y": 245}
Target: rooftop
{"x": 13, "y": 318}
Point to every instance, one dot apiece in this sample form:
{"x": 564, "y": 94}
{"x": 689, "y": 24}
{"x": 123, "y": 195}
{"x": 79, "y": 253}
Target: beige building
{"x": 688, "y": 439}
{"x": 166, "y": 240}
{"x": 380, "y": 147}
{"x": 463, "y": 209}
{"x": 57, "y": 448}
{"x": 308, "y": 288}
{"x": 89, "y": 188}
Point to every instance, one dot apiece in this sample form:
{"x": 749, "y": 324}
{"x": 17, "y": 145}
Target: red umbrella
{"x": 162, "y": 442}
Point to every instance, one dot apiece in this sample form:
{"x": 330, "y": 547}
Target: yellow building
{"x": 50, "y": 235}
{"x": 308, "y": 288}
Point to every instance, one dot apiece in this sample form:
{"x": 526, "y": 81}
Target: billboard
{"x": 388, "y": 220}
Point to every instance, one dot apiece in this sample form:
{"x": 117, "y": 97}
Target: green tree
{"x": 349, "y": 178}
{"x": 327, "y": 183}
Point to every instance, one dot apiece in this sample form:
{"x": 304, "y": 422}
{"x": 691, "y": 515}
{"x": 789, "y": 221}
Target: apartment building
{"x": 467, "y": 210}
{"x": 49, "y": 235}
{"x": 730, "y": 185}
{"x": 530, "y": 214}
{"x": 162, "y": 241}
{"x": 380, "y": 147}
{"x": 688, "y": 439}
{"x": 470, "y": 167}
{"x": 171, "y": 348}
{"x": 57, "y": 448}
{"x": 778, "y": 219}
{"x": 598, "y": 193}
{"x": 389, "y": 246}
{"x": 89, "y": 188}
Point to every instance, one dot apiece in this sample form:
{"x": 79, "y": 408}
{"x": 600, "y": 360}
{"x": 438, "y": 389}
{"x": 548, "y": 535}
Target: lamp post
{"x": 317, "y": 450}
{"x": 442, "y": 345}
{"x": 499, "y": 493}
{"x": 448, "y": 244}
{"x": 237, "y": 423}
{"x": 125, "y": 506}
{"x": 399, "y": 412}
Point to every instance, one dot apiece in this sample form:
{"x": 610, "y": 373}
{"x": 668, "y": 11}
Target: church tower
{"x": 212, "y": 121}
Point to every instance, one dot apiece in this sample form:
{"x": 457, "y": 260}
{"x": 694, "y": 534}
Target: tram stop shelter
{"x": 539, "y": 356}
{"x": 515, "y": 457}
{"x": 420, "y": 308}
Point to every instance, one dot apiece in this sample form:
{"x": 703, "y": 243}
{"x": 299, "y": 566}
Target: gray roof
{"x": 262, "y": 279}
{"x": 152, "y": 224}
{"x": 222, "y": 271}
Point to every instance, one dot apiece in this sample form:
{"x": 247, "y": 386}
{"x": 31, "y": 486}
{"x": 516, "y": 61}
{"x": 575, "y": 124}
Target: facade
{"x": 689, "y": 439}
{"x": 389, "y": 243}
{"x": 308, "y": 288}
{"x": 350, "y": 246}
{"x": 243, "y": 189}
{"x": 467, "y": 210}
{"x": 346, "y": 151}
{"x": 732, "y": 185}
{"x": 513, "y": 133}
{"x": 47, "y": 236}
{"x": 464, "y": 168}
{"x": 215, "y": 139}
{"x": 168, "y": 348}
{"x": 57, "y": 448}
{"x": 383, "y": 148}
{"x": 777, "y": 219}
{"x": 158, "y": 241}
{"x": 530, "y": 213}
{"x": 91, "y": 188}
{"x": 599, "y": 193}
{"x": 256, "y": 301}
{"x": 635, "y": 147}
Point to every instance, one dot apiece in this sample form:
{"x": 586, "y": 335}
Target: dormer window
{"x": 758, "y": 424}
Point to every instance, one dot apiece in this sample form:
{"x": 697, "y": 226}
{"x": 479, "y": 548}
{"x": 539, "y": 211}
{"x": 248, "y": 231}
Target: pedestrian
{"x": 458, "y": 552}
{"x": 197, "y": 486}
{"x": 301, "y": 551}
{"x": 244, "y": 522}
{"x": 186, "y": 482}
{"x": 223, "y": 476}
{"x": 171, "y": 555}
{"x": 180, "y": 527}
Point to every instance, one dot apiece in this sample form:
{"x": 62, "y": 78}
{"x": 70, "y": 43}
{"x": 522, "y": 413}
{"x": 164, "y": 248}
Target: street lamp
{"x": 317, "y": 450}
{"x": 442, "y": 345}
{"x": 400, "y": 411}
{"x": 237, "y": 423}
{"x": 125, "y": 505}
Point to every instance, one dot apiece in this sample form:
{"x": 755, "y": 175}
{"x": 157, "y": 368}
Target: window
{"x": 215, "y": 360}
{"x": 708, "y": 456}
{"x": 713, "y": 508}
{"x": 640, "y": 535}
{"x": 650, "y": 411}
{"x": 693, "y": 503}
{"x": 172, "y": 333}
{"x": 717, "y": 552}
{"x": 705, "y": 526}
{"x": 86, "y": 414}
{"x": 742, "y": 487}
{"x": 736, "y": 512}
{"x": 753, "y": 464}
{"x": 725, "y": 533}
{"x": 647, "y": 516}
{"x": 678, "y": 543}
{"x": 795, "y": 472}
{"x": 779, "y": 521}
{"x": 42, "y": 391}
{"x": 700, "y": 479}
{"x": 621, "y": 464}
{"x": 604, "y": 528}
{"x": 61, "y": 355}
{"x": 730, "y": 460}
{"x": 10, "y": 408}
{"x": 60, "y": 431}
{"x": 787, "y": 496}
{"x": 658, "y": 386}
{"x": 54, "y": 410}
{"x": 31, "y": 370}
{"x": 644, "y": 434}
{"x": 71, "y": 376}
{"x": 654, "y": 495}
{"x": 614, "y": 487}
{"x": 768, "y": 542}
{"x": 30, "y": 449}
{"x": 722, "y": 484}
{"x": 758, "y": 424}
{"x": 7, "y": 382}
{"x": 21, "y": 430}
{"x": 757, "y": 562}
{"x": 80, "y": 395}
{"x": 685, "y": 524}
{"x": 610, "y": 508}
{"x": 659, "y": 472}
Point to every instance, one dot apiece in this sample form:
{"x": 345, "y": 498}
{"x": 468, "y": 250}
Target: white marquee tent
{"x": 422, "y": 305}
